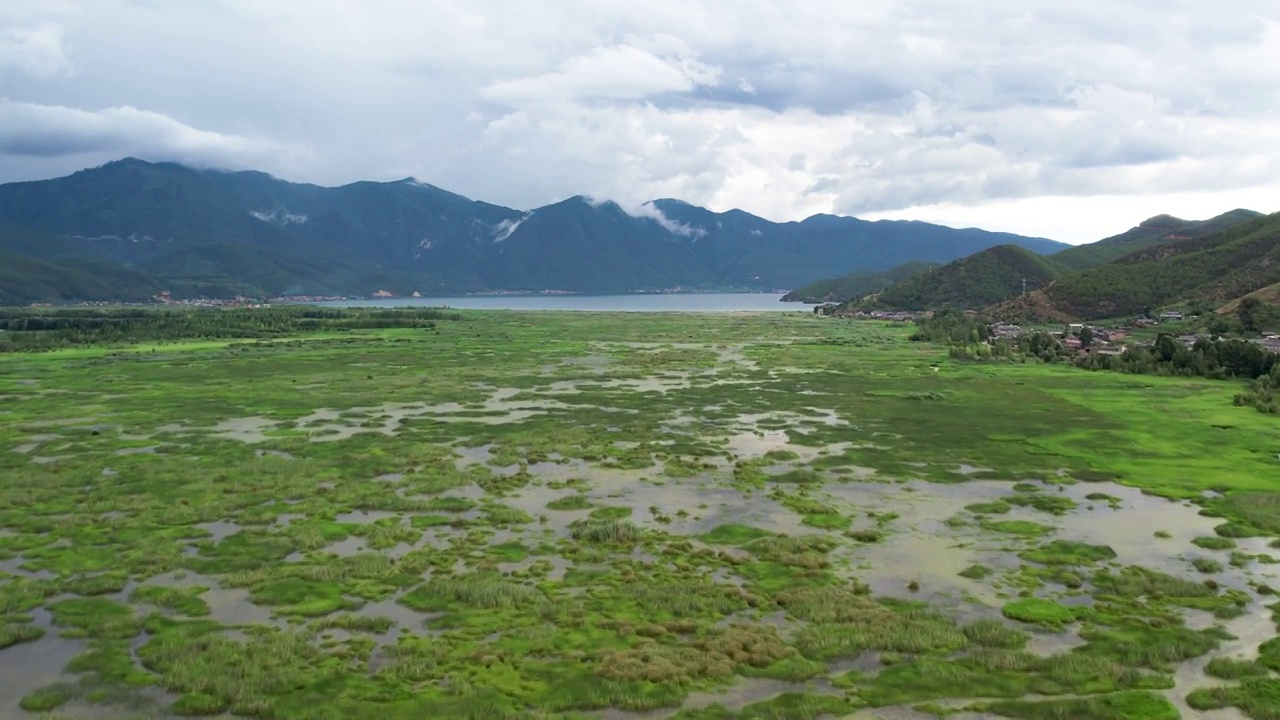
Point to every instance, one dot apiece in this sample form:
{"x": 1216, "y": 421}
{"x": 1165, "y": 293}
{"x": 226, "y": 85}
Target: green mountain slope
{"x": 979, "y": 280}
{"x": 1159, "y": 230}
{"x": 592, "y": 247}
{"x": 240, "y": 268}
{"x": 1217, "y": 269}
{"x": 856, "y": 285}
{"x": 26, "y": 279}
{"x": 37, "y": 243}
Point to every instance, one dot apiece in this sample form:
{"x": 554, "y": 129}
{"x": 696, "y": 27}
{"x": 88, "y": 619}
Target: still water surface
{"x": 709, "y": 302}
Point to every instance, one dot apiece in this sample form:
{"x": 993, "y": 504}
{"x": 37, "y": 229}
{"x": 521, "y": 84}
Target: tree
{"x": 1166, "y": 347}
{"x": 1248, "y": 311}
{"x": 1086, "y": 337}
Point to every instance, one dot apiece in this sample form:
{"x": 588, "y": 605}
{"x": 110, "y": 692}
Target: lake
{"x": 683, "y": 302}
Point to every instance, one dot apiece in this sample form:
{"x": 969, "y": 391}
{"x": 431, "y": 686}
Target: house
{"x": 1110, "y": 334}
{"x": 1006, "y": 331}
{"x": 1074, "y": 328}
{"x": 1072, "y": 343}
{"x": 1171, "y": 315}
{"x": 1271, "y": 343}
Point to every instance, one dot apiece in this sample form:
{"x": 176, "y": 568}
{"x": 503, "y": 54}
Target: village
{"x": 1077, "y": 338}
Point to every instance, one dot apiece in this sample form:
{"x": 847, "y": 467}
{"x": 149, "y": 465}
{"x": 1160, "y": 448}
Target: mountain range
{"x": 1164, "y": 262}
{"x": 129, "y": 228}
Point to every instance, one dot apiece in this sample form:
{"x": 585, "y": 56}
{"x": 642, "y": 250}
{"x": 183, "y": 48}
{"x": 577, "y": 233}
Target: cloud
{"x": 279, "y": 216}
{"x": 506, "y": 228}
{"x": 620, "y": 72}
{"x": 52, "y": 131}
{"x": 654, "y": 213}
{"x": 783, "y": 110}
{"x": 37, "y": 50}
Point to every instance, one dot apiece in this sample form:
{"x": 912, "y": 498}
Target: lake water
{"x": 691, "y": 302}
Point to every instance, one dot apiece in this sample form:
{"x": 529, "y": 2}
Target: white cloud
{"x": 1087, "y": 218}
{"x": 279, "y": 216}
{"x": 621, "y": 72}
{"x": 35, "y": 50}
{"x": 892, "y": 105}
{"x": 506, "y": 228}
{"x": 54, "y": 131}
{"x": 652, "y": 212}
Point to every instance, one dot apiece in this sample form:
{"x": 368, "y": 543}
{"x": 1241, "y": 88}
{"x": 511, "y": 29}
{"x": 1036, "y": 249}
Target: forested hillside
{"x": 856, "y": 285}
{"x": 1216, "y": 269}
{"x": 973, "y": 282}
{"x": 25, "y": 279}
{"x": 1159, "y": 230}
{"x": 1164, "y": 262}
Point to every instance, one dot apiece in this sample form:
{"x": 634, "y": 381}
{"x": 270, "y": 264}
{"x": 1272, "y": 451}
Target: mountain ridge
{"x": 1162, "y": 261}
{"x": 978, "y": 280}
{"x": 1214, "y": 271}
{"x": 1157, "y": 230}
{"x": 856, "y": 285}
{"x": 413, "y": 236}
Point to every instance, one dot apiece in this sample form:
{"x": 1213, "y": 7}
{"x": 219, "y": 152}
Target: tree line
{"x": 969, "y": 338}
{"x": 1222, "y": 359}
{"x": 37, "y": 329}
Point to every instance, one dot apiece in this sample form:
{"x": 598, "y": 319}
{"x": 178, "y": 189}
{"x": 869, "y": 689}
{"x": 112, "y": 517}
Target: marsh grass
{"x": 1044, "y": 502}
{"x": 606, "y": 531}
{"x": 1234, "y": 669}
{"x": 48, "y": 698}
{"x": 732, "y": 534}
{"x": 1025, "y": 528}
{"x": 1206, "y": 565}
{"x": 1214, "y": 542}
{"x": 12, "y": 634}
{"x": 996, "y": 673}
{"x": 483, "y": 591}
{"x": 570, "y": 502}
{"x": 1130, "y": 705}
{"x": 995, "y": 507}
{"x": 787, "y": 706}
{"x": 1066, "y": 552}
{"x": 602, "y": 614}
{"x": 1037, "y": 611}
{"x": 994, "y": 634}
{"x": 870, "y": 627}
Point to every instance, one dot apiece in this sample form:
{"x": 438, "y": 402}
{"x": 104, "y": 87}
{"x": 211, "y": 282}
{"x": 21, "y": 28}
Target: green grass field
{"x": 543, "y": 515}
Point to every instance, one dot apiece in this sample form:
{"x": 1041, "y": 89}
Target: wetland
{"x": 511, "y": 515}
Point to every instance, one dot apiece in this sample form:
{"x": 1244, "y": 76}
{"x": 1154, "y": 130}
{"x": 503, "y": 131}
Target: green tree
{"x": 1248, "y": 311}
{"x": 1166, "y": 347}
{"x": 1086, "y": 336}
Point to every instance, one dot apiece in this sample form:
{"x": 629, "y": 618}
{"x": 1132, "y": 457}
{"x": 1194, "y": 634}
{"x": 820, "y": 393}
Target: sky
{"x": 1068, "y": 120}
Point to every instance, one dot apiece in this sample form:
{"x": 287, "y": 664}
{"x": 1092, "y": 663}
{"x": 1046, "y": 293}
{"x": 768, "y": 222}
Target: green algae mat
{"x": 582, "y": 515}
